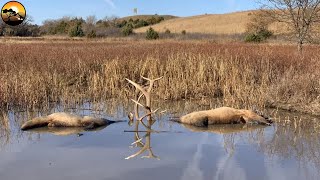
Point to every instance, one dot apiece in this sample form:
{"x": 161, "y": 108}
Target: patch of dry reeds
{"x": 240, "y": 75}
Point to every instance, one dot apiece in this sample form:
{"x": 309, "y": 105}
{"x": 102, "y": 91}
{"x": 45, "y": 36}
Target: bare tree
{"x": 91, "y": 20}
{"x": 89, "y": 26}
{"x": 299, "y": 15}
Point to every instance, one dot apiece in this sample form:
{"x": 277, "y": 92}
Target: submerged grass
{"x": 37, "y": 74}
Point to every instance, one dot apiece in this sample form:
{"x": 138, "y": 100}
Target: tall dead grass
{"x": 240, "y": 75}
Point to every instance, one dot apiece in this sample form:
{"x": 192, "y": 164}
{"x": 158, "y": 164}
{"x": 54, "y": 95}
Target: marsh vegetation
{"x": 37, "y": 74}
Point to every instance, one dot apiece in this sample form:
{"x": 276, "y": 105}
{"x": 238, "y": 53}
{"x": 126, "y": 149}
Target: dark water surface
{"x": 282, "y": 151}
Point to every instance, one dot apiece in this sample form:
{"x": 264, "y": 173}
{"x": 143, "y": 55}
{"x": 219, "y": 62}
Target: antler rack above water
{"x": 146, "y": 92}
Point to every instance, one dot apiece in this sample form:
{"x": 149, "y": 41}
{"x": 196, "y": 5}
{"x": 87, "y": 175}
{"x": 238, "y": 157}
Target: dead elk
{"x": 223, "y": 115}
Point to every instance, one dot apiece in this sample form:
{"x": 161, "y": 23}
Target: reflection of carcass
{"x": 64, "y": 131}
{"x": 224, "y": 128}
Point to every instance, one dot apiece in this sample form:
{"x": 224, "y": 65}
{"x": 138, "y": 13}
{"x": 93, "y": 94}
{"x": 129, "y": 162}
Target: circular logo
{"x": 13, "y": 13}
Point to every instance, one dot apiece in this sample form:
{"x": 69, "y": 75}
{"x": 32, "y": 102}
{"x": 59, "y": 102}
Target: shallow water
{"x": 282, "y": 151}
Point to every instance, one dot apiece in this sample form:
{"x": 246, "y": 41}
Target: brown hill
{"x": 232, "y": 23}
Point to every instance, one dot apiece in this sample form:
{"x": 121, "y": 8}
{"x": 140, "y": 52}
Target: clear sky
{"x": 41, "y": 10}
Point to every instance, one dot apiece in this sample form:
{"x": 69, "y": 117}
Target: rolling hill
{"x": 232, "y": 23}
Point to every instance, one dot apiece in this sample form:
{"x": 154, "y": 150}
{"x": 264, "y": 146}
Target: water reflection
{"x": 225, "y": 128}
{"x": 65, "y": 131}
{"x": 294, "y": 137}
{"x": 290, "y": 149}
{"x": 193, "y": 170}
{"x": 230, "y": 132}
{"x": 143, "y": 142}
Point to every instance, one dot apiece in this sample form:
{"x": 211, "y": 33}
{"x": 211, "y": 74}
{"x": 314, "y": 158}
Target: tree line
{"x": 79, "y": 27}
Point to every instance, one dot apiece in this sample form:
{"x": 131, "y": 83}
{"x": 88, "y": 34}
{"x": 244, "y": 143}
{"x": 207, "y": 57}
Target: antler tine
{"x": 137, "y": 141}
{"x": 151, "y": 79}
{"x": 137, "y": 107}
{"x": 151, "y": 82}
{"x": 137, "y": 153}
{"x": 164, "y": 111}
{"x": 145, "y": 78}
{"x": 148, "y": 114}
{"x": 151, "y": 155}
{"x": 157, "y": 79}
{"x": 138, "y": 103}
{"x": 145, "y": 93}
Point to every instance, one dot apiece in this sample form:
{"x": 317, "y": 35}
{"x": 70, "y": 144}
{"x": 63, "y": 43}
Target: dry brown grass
{"x": 4, "y": 129}
{"x": 241, "y": 75}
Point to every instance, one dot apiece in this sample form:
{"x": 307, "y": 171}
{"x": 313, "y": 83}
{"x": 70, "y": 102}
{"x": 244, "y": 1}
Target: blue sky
{"x": 41, "y": 10}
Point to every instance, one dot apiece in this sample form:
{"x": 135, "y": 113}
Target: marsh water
{"x": 289, "y": 149}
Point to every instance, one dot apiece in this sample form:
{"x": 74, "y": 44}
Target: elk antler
{"x": 146, "y": 92}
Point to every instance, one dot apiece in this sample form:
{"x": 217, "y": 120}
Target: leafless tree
{"x": 301, "y": 16}
{"x": 90, "y": 24}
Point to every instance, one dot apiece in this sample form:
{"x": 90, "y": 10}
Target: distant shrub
{"x": 167, "y": 31}
{"x": 152, "y": 20}
{"x": 251, "y": 37}
{"x": 152, "y": 34}
{"x": 140, "y": 23}
{"x": 122, "y": 24}
{"x": 127, "y": 30}
{"x": 61, "y": 28}
{"x": 183, "y": 32}
{"x": 76, "y": 30}
{"x": 159, "y": 19}
{"x": 260, "y": 36}
{"x": 264, "y": 34}
{"x": 257, "y": 27}
{"x": 91, "y": 34}
{"x": 137, "y": 23}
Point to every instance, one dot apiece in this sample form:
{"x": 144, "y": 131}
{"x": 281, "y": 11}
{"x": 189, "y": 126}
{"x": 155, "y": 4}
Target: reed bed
{"x": 37, "y": 74}
{"x": 5, "y": 130}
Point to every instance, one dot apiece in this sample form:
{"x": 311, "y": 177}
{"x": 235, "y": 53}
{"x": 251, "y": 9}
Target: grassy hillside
{"x": 232, "y": 23}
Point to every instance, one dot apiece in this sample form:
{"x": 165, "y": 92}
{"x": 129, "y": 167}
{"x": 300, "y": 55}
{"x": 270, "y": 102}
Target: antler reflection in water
{"x": 139, "y": 141}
